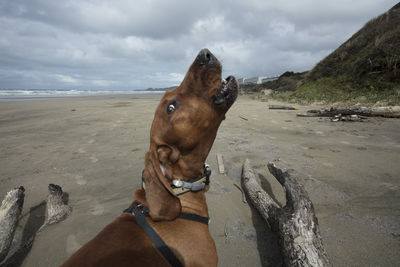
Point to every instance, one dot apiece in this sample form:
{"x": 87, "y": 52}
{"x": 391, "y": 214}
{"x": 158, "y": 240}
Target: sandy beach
{"x": 94, "y": 147}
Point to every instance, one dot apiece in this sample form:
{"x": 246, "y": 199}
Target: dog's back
{"x": 121, "y": 243}
{"x": 124, "y": 243}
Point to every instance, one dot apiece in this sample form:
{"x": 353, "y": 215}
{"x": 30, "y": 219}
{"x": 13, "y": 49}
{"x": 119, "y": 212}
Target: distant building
{"x": 268, "y": 79}
{"x": 241, "y": 81}
{"x": 255, "y": 80}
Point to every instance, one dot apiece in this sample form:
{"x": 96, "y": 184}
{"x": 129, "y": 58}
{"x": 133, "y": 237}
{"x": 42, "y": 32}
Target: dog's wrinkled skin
{"x": 183, "y": 130}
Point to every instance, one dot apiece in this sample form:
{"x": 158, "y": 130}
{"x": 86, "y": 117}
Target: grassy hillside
{"x": 372, "y": 53}
{"x": 365, "y": 69}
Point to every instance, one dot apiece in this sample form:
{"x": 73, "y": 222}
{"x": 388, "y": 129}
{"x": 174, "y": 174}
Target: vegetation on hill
{"x": 373, "y": 53}
{"x": 365, "y": 69}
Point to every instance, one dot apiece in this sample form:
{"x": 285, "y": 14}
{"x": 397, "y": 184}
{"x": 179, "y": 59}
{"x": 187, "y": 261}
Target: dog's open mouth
{"x": 227, "y": 93}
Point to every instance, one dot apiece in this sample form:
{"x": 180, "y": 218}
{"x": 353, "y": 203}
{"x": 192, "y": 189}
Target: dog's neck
{"x": 194, "y": 203}
{"x": 191, "y": 202}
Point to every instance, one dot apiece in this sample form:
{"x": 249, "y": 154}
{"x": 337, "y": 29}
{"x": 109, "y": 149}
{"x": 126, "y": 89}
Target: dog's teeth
{"x": 224, "y": 81}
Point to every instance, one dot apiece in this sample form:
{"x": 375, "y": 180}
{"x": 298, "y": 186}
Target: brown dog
{"x": 184, "y": 128}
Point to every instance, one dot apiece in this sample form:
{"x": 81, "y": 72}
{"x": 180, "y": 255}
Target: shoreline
{"x": 74, "y": 97}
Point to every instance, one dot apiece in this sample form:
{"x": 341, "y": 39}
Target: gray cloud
{"x": 138, "y": 44}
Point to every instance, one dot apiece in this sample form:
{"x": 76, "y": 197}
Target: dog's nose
{"x": 205, "y": 57}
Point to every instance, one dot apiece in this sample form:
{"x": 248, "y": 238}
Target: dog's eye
{"x": 171, "y": 108}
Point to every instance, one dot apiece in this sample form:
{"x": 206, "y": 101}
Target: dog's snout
{"x": 205, "y": 57}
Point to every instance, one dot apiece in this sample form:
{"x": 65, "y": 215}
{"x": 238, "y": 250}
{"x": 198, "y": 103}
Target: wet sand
{"x": 94, "y": 148}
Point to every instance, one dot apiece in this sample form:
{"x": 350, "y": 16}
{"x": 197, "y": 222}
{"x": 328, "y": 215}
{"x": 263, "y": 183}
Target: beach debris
{"x": 56, "y": 210}
{"x": 362, "y": 112}
{"x": 243, "y": 195}
{"x": 226, "y": 233}
{"x": 243, "y": 118}
{"x": 295, "y": 223}
{"x": 267, "y": 92}
{"x": 340, "y": 117}
{"x": 221, "y": 167}
{"x": 10, "y": 212}
{"x": 282, "y": 107}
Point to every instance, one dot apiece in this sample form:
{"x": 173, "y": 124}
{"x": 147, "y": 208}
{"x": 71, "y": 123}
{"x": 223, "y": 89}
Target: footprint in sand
{"x": 345, "y": 142}
{"x": 79, "y": 180}
{"x": 93, "y": 159}
{"x": 72, "y": 245}
{"x": 81, "y": 150}
{"x": 91, "y": 141}
{"x": 96, "y": 209}
{"x": 361, "y": 136}
{"x": 326, "y": 164}
{"x": 115, "y": 125}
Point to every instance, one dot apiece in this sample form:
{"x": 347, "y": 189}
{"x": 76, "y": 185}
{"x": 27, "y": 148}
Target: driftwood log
{"x": 56, "y": 210}
{"x": 387, "y": 112}
{"x": 282, "y": 107}
{"x": 10, "y": 212}
{"x": 295, "y": 223}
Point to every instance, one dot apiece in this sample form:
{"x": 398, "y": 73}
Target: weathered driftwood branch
{"x": 10, "y": 212}
{"x": 282, "y": 107}
{"x": 56, "y": 210}
{"x": 220, "y": 162}
{"x": 387, "y": 112}
{"x": 241, "y": 191}
{"x": 296, "y": 223}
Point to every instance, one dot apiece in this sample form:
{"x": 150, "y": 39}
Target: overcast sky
{"x": 125, "y": 44}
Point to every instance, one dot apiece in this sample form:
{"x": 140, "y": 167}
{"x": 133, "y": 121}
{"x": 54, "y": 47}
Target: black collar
{"x": 196, "y": 184}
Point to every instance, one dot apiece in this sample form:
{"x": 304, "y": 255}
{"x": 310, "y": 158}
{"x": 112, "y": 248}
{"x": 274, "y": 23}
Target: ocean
{"x": 29, "y": 94}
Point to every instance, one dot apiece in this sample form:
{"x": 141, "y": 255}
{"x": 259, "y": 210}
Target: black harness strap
{"x": 154, "y": 237}
{"x": 139, "y": 212}
{"x": 195, "y": 218}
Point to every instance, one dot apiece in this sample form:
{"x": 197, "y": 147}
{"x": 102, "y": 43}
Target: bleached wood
{"x": 295, "y": 223}
{"x": 387, "y": 112}
{"x": 10, "y": 212}
{"x": 221, "y": 167}
{"x": 283, "y": 107}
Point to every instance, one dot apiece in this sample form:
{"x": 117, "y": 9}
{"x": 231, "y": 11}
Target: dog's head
{"x": 183, "y": 130}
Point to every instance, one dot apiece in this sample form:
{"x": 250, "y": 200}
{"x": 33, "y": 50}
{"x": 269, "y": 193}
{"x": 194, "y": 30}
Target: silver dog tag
{"x": 177, "y": 183}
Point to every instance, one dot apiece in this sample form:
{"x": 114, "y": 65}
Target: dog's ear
{"x": 162, "y": 202}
